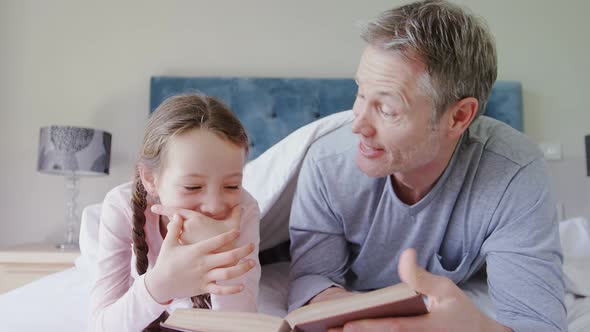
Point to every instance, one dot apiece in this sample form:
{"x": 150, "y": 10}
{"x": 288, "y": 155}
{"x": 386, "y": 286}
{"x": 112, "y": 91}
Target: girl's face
{"x": 202, "y": 172}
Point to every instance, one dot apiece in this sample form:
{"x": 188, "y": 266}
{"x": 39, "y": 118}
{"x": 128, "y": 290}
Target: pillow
{"x": 575, "y": 241}
{"x": 89, "y": 238}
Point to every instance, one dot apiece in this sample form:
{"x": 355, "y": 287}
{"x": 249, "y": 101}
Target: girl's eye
{"x": 232, "y": 187}
{"x": 360, "y": 95}
{"x": 192, "y": 187}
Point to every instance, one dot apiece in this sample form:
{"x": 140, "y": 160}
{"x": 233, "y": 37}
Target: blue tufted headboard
{"x": 271, "y": 108}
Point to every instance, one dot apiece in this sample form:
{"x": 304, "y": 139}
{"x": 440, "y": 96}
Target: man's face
{"x": 201, "y": 172}
{"x": 393, "y": 116}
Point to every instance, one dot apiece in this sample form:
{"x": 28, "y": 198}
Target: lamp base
{"x": 70, "y": 241}
{"x": 67, "y": 246}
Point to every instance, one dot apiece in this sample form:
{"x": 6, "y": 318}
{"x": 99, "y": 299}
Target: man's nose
{"x": 362, "y": 123}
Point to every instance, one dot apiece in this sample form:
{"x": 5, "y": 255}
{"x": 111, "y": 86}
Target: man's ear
{"x": 148, "y": 179}
{"x": 461, "y": 115}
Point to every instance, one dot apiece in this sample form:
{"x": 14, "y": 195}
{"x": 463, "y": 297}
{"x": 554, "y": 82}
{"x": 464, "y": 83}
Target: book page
{"x": 192, "y": 319}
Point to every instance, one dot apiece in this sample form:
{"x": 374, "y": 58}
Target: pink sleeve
{"x": 118, "y": 302}
{"x": 246, "y": 300}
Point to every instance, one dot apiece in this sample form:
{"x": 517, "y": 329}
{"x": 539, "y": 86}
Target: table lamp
{"x": 73, "y": 152}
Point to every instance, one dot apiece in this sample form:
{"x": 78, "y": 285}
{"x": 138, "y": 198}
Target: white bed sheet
{"x": 59, "y": 302}
{"x": 578, "y": 313}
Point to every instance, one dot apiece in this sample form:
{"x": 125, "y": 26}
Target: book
{"x": 394, "y": 301}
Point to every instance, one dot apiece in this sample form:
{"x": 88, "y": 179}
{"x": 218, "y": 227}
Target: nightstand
{"x": 21, "y": 264}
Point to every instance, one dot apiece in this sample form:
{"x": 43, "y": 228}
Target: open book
{"x": 393, "y": 301}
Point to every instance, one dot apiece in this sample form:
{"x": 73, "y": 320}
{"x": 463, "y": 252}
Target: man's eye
{"x": 386, "y": 113}
{"x": 192, "y": 187}
{"x": 360, "y": 95}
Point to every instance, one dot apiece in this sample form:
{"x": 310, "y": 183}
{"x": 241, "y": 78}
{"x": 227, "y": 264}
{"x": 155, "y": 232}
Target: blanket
{"x": 271, "y": 178}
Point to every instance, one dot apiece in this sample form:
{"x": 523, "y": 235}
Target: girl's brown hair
{"x": 175, "y": 116}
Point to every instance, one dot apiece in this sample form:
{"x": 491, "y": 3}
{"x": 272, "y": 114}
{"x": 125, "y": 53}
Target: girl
{"x": 167, "y": 239}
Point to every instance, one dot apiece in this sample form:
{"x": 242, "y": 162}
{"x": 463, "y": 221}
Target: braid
{"x": 155, "y": 325}
{"x": 140, "y": 248}
{"x": 202, "y": 301}
{"x": 138, "y": 205}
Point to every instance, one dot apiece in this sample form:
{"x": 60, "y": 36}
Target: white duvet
{"x": 59, "y": 302}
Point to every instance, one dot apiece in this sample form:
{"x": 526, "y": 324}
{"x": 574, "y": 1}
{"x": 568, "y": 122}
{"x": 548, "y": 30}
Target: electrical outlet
{"x": 588, "y": 155}
{"x": 551, "y": 151}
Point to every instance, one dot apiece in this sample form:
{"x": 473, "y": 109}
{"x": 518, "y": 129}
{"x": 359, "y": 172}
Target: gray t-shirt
{"x": 491, "y": 207}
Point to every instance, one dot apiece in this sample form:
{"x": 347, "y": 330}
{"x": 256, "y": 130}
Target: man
{"x": 421, "y": 168}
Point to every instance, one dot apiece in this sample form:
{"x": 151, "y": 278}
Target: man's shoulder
{"x": 501, "y": 140}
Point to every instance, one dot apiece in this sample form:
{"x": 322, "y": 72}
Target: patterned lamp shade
{"x": 81, "y": 151}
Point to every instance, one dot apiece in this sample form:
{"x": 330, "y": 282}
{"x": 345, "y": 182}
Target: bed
{"x": 280, "y": 115}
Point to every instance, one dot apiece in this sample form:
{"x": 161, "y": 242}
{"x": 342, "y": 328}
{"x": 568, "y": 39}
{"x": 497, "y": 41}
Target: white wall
{"x": 89, "y": 64}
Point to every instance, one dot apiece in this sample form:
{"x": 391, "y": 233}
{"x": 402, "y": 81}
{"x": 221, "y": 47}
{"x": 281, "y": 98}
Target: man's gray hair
{"x": 455, "y": 46}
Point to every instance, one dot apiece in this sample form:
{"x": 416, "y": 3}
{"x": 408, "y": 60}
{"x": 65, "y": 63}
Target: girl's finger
{"x": 216, "y": 242}
{"x": 170, "y": 211}
{"x": 236, "y": 212}
{"x": 214, "y": 288}
{"x": 230, "y": 272}
{"x": 231, "y": 257}
{"x": 174, "y": 230}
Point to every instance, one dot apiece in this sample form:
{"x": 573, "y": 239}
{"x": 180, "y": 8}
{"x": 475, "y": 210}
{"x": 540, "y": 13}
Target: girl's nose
{"x": 213, "y": 207}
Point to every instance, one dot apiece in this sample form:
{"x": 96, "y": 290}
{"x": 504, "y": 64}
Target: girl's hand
{"x": 198, "y": 227}
{"x": 189, "y": 270}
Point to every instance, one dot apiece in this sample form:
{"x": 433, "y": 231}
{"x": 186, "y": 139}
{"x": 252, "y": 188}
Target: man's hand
{"x": 449, "y": 308}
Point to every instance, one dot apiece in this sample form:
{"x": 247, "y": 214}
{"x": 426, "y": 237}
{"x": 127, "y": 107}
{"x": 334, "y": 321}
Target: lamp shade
{"x": 81, "y": 151}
